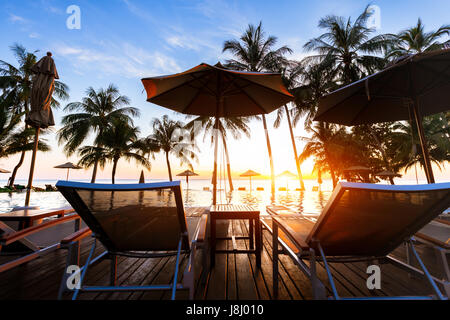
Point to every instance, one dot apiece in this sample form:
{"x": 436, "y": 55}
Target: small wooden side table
{"x": 238, "y": 212}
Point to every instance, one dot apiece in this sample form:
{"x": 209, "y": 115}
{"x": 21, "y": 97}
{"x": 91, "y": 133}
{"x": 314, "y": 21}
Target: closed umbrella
{"x": 410, "y": 88}
{"x": 250, "y": 174}
{"x": 68, "y": 166}
{"x": 187, "y": 174}
{"x": 214, "y": 91}
{"x": 141, "y": 177}
{"x": 40, "y": 115}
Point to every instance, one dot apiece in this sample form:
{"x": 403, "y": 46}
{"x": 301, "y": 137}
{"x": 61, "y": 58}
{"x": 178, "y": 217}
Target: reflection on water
{"x": 305, "y": 201}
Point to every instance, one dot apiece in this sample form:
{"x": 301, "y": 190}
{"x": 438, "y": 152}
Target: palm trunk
{"x": 383, "y": 153}
{"x": 297, "y": 162}
{"x": 16, "y": 168}
{"x": 230, "y": 181}
{"x": 116, "y": 160}
{"x": 168, "y": 166}
{"x": 269, "y": 149}
{"x": 94, "y": 172}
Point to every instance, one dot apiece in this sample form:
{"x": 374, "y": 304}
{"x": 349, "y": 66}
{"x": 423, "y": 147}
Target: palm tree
{"x": 96, "y": 112}
{"x": 332, "y": 149}
{"x": 234, "y": 125}
{"x": 92, "y": 155}
{"x": 349, "y": 47}
{"x": 406, "y": 141}
{"x": 254, "y": 52}
{"x": 120, "y": 140}
{"x": 166, "y": 137}
{"x": 16, "y": 82}
{"x": 416, "y": 40}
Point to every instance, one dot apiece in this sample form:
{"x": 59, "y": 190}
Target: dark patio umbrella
{"x": 412, "y": 87}
{"x": 250, "y": 174}
{"x": 214, "y": 91}
{"x": 40, "y": 115}
{"x": 141, "y": 177}
{"x": 68, "y": 166}
{"x": 187, "y": 174}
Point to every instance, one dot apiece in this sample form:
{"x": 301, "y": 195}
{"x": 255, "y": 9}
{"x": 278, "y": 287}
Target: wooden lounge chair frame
{"x": 311, "y": 249}
{"x": 10, "y": 236}
{"x": 69, "y": 191}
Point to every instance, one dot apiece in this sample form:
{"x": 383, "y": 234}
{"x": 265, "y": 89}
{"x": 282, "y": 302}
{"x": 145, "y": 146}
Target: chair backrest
{"x": 372, "y": 220}
{"x": 130, "y": 217}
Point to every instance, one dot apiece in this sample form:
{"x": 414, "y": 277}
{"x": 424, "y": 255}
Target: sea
{"x": 311, "y": 201}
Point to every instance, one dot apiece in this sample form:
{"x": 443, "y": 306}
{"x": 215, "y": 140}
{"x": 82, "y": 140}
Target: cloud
{"x": 15, "y": 18}
{"x": 125, "y": 60}
{"x": 34, "y": 35}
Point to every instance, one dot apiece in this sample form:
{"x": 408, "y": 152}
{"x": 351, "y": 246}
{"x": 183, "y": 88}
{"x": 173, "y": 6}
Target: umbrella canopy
{"x": 215, "y": 91}
{"x": 40, "y": 115}
{"x": 287, "y": 174}
{"x": 187, "y": 174}
{"x": 412, "y": 87}
{"x": 141, "y": 177}
{"x": 68, "y": 166}
{"x": 4, "y": 171}
{"x": 388, "y": 174}
{"x": 250, "y": 173}
{"x": 357, "y": 169}
{"x": 208, "y": 90}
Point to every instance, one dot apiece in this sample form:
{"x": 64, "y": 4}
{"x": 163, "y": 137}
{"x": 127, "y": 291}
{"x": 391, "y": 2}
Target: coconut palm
{"x": 332, "y": 147}
{"x": 406, "y": 141}
{"x": 349, "y": 46}
{"x": 416, "y": 40}
{"x": 254, "y": 52}
{"x": 92, "y": 155}
{"x": 236, "y": 126}
{"x": 16, "y": 82}
{"x": 120, "y": 140}
{"x": 167, "y": 137}
{"x": 95, "y": 113}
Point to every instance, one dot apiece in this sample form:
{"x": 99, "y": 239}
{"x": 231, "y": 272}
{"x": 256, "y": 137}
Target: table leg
{"x": 250, "y": 230}
{"x": 258, "y": 242}
{"x": 213, "y": 242}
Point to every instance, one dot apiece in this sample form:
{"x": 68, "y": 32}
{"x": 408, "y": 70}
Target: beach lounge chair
{"x": 242, "y": 189}
{"x": 259, "y": 189}
{"x": 137, "y": 220}
{"x": 361, "y": 222}
{"x": 19, "y": 247}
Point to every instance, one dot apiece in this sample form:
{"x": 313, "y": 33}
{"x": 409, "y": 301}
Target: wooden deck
{"x": 235, "y": 276}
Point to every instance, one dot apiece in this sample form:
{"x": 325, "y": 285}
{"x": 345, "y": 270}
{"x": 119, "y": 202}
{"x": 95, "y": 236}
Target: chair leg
{"x": 113, "y": 274}
{"x": 275, "y": 260}
{"x": 73, "y": 258}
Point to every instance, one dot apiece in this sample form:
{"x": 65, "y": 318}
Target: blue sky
{"x": 121, "y": 41}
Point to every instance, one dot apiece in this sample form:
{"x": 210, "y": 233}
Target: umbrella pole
{"x": 67, "y": 177}
{"x": 33, "y": 160}
{"x": 216, "y": 130}
{"x": 423, "y": 143}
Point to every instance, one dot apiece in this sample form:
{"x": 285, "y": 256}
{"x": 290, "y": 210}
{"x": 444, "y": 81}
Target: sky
{"x": 122, "y": 41}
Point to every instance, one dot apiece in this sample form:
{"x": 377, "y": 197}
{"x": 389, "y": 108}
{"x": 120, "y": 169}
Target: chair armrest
{"x": 292, "y": 235}
{"x": 442, "y": 221}
{"x": 201, "y": 229}
{"x": 77, "y": 236}
{"x": 18, "y": 235}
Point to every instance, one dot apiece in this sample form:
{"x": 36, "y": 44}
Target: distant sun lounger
{"x": 361, "y": 222}
{"x": 140, "y": 221}
{"x": 242, "y": 189}
{"x": 205, "y": 188}
{"x": 282, "y": 189}
{"x": 259, "y": 189}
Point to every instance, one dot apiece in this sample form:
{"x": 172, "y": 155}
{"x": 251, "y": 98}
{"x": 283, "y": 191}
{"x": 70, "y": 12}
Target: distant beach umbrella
{"x": 412, "y": 87}
{"x": 250, "y": 174}
{"x": 141, "y": 177}
{"x": 68, "y": 166}
{"x": 215, "y": 91}
{"x": 287, "y": 175}
{"x": 4, "y": 171}
{"x": 187, "y": 174}
{"x": 40, "y": 115}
